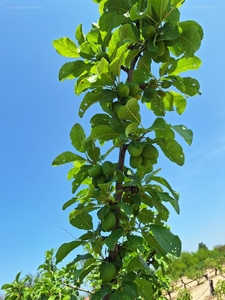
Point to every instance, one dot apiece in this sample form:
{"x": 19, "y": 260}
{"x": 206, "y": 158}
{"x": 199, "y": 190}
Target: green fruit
{"x": 135, "y": 161}
{"x": 95, "y": 171}
{"x": 150, "y": 93}
{"x": 148, "y": 32}
{"x": 108, "y": 168}
{"x": 134, "y": 150}
{"x": 134, "y": 88}
{"x": 120, "y": 176}
{"x": 101, "y": 179}
{"x": 108, "y": 222}
{"x": 116, "y": 106}
{"x": 137, "y": 96}
{"x": 123, "y": 90}
{"x": 107, "y": 272}
{"x": 150, "y": 152}
{"x": 102, "y": 54}
{"x": 166, "y": 56}
{"x": 171, "y": 43}
{"x": 161, "y": 48}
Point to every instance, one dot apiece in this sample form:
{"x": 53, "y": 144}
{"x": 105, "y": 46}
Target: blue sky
{"x": 37, "y": 113}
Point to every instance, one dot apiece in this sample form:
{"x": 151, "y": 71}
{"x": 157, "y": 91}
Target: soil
{"x": 200, "y": 291}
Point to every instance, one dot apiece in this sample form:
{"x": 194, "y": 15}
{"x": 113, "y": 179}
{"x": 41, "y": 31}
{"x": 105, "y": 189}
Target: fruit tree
{"x": 127, "y": 65}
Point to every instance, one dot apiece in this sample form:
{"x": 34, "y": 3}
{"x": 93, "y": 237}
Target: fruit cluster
{"x": 142, "y": 154}
{"x": 104, "y": 173}
{"x": 125, "y": 92}
{"x": 158, "y": 48}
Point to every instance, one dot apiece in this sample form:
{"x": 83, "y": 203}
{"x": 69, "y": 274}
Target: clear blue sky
{"x": 37, "y": 113}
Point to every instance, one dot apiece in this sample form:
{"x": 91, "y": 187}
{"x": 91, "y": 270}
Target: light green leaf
{"x": 132, "y": 129}
{"x": 66, "y": 248}
{"x": 66, "y": 157}
{"x": 175, "y": 99}
{"x": 77, "y": 136}
{"x": 185, "y": 64}
{"x": 130, "y": 32}
{"x": 111, "y": 240}
{"x": 167, "y": 240}
{"x": 80, "y": 35}
{"x": 183, "y": 131}
{"x": 130, "y": 111}
{"x": 118, "y": 61}
{"x": 66, "y": 47}
{"x": 144, "y": 288}
{"x": 103, "y": 132}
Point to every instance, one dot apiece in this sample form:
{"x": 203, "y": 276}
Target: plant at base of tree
{"x": 132, "y": 239}
{"x": 184, "y": 294}
{"x": 220, "y": 289}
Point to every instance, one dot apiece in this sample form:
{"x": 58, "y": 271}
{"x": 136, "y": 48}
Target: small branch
{"x": 77, "y": 288}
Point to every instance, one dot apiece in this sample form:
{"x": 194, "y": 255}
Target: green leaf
{"x": 183, "y": 131}
{"x": 77, "y": 136}
{"x": 66, "y": 157}
{"x": 132, "y": 129}
{"x": 187, "y": 85}
{"x": 137, "y": 263}
{"x": 136, "y": 14}
{"x": 69, "y": 203}
{"x": 144, "y": 288}
{"x": 144, "y": 63}
{"x": 164, "y": 182}
{"x": 173, "y": 151}
{"x": 130, "y": 111}
{"x": 66, "y": 47}
{"x": 146, "y": 216}
{"x": 111, "y": 240}
{"x": 167, "y": 198}
{"x": 190, "y": 38}
{"x": 130, "y": 288}
{"x": 80, "y": 218}
{"x": 93, "y": 152}
{"x": 175, "y": 99}
{"x": 74, "y": 69}
{"x": 89, "y": 99}
{"x": 157, "y": 106}
{"x": 185, "y": 64}
{"x": 118, "y": 61}
{"x": 80, "y": 177}
{"x": 80, "y": 35}
{"x": 169, "y": 31}
{"x": 103, "y": 132}
{"x": 82, "y": 257}
{"x": 160, "y": 7}
{"x": 167, "y": 240}
{"x": 120, "y": 295}
{"x": 99, "y": 295}
{"x": 66, "y": 248}
{"x": 153, "y": 244}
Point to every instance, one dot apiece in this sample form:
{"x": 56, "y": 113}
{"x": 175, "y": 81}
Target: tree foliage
{"x": 132, "y": 59}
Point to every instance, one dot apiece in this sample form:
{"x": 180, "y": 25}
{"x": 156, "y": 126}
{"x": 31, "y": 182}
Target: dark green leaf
{"x": 167, "y": 198}
{"x": 82, "y": 221}
{"x": 65, "y": 249}
{"x": 183, "y": 131}
{"x": 136, "y": 14}
{"x": 167, "y": 240}
{"x": 111, "y": 240}
{"x": 164, "y": 182}
{"x": 144, "y": 288}
{"x": 120, "y": 295}
{"x": 130, "y": 288}
{"x": 153, "y": 244}
{"x": 173, "y": 151}
{"x": 89, "y": 99}
{"x": 66, "y": 157}
{"x": 82, "y": 257}
{"x": 146, "y": 216}
{"x": 77, "y": 136}
{"x": 99, "y": 295}
{"x": 103, "y": 132}
{"x": 69, "y": 203}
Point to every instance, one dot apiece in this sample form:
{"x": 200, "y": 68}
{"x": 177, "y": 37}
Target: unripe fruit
{"x": 134, "y": 150}
{"x": 108, "y": 168}
{"x": 150, "y": 93}
{"x": 109, "y": 222}
{"x": 95, "y": 171}
{"x": 135, "y": 161}
{"x": 116, "y": 106}
{"x": 166, "y": 56}
{"x": 134, "y": 88}
{"x": 171, "y": 43}
{"x": 148, "y": 32}
{"x": 150, "y": 152}
{"x": 101, "y": 179}
{"x": 161, "y": 48}
{"x": 123, "y": 90}
{"x": 107, "y": 272}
